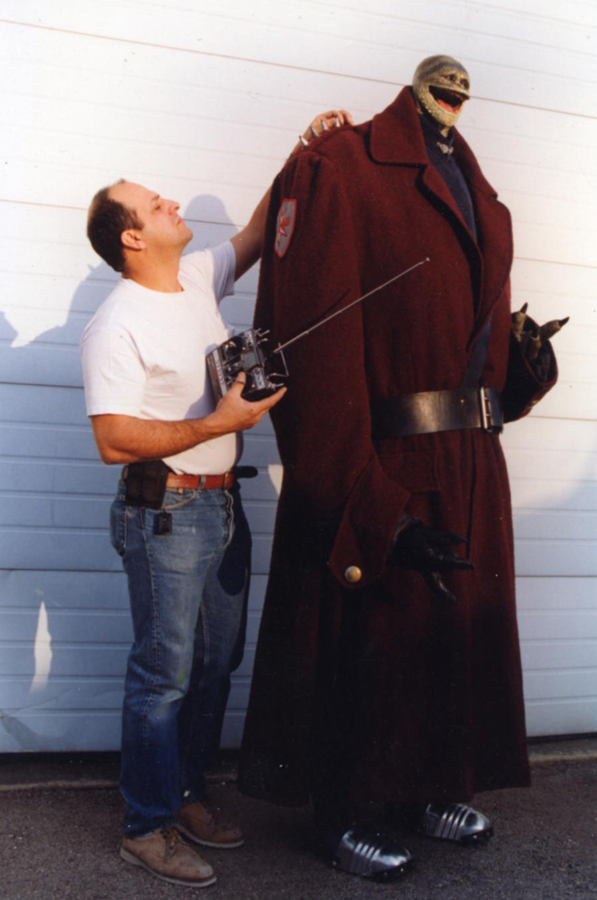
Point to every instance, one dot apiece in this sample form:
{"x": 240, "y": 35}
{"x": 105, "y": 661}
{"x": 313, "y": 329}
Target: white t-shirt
{"x": 143, "y": 354}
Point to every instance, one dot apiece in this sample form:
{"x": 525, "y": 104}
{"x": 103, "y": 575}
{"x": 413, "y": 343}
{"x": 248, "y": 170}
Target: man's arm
{"x": 248, "y": 243}
{"x": 125, "y": 439}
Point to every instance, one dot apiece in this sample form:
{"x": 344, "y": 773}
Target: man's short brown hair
{"x": 106, "y": 221}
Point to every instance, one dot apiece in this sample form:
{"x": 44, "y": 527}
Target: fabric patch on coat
{"x": 285, "y": 226}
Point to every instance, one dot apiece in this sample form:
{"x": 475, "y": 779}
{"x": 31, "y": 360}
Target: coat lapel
{"x": 397, "y": 139}
{"x": 495, "y": 230}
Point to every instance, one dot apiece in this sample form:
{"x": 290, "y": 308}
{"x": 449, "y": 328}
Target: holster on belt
{"x": 146, "y": 483}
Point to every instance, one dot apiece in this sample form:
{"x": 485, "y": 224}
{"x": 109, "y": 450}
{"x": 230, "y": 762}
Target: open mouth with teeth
{"x": 449, "y": 100}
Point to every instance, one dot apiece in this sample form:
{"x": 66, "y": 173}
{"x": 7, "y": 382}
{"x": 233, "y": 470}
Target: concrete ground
{"x": 61, "y": 818}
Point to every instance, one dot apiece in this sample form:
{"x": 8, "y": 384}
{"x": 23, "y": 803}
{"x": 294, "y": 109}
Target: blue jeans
{"x": 188, "y": 595}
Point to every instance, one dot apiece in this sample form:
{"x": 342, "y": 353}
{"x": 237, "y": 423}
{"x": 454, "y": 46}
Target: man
{"x": 177, "y": 520}
{"x": 388, "y": 664}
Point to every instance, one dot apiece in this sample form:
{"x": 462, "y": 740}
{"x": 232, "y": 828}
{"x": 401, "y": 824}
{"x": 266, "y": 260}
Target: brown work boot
{"x": 201, "y": 824}
{"x": 165, "y": 855}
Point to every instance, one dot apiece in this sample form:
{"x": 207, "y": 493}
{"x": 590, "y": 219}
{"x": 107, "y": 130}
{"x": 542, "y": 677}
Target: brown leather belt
{"x": 201, "y": 482}
{"x": 431, "y": 411}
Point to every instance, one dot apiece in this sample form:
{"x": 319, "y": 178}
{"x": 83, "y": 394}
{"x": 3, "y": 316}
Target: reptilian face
{"x": 441, "y": 86}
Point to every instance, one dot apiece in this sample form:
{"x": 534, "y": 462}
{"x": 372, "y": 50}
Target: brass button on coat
{"x": 353, "y": 574}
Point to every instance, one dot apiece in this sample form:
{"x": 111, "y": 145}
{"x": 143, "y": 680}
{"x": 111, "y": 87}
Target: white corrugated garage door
{"x": 204, "y": 105}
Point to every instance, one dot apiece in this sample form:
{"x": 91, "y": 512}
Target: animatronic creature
{"x": 388, "y": 665}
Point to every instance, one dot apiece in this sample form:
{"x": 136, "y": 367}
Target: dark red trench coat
{"x": 421, "y": 700}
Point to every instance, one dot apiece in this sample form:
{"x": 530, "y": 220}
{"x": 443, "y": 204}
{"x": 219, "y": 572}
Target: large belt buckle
{"x": 491, "y": 419}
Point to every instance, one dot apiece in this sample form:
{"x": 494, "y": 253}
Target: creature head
{"x": 441, "y": 86}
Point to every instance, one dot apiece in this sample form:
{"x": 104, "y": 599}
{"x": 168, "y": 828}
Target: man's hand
{"x": 333, "y": 118}
{"x": 425, "y": 549}
{"x": 234, "y": 413}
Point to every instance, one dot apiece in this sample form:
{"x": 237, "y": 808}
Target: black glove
{"x": 543, "y": 364}
{"x": 425, "y": 549}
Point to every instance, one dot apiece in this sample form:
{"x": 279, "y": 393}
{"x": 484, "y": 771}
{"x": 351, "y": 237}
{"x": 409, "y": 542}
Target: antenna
{"x": 344, "y": 309}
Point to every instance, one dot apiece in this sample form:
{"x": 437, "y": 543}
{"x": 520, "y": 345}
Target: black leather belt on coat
{"x": 431, "y": 411}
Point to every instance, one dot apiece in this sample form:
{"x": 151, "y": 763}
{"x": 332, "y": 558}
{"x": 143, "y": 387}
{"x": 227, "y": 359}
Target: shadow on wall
{"x": 65, "y": 627}
{"x": 53, "y": 486}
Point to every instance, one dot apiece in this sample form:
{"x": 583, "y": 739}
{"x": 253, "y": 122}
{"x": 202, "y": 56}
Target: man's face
{"x": 163, "y": 229}
{"x": 441, "y": 87}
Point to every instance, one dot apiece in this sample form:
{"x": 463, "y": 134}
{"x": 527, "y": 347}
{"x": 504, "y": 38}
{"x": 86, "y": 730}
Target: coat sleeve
{"x": 523, "y": 388}
{"x": 310, "y": 269}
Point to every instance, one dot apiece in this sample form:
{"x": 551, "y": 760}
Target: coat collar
{"x": 397, "y": 138}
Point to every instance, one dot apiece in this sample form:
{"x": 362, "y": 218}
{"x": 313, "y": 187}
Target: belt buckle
{"x": 490, "y": 417}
